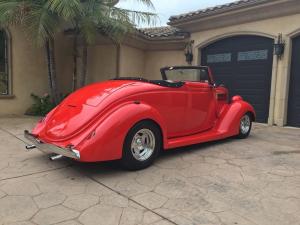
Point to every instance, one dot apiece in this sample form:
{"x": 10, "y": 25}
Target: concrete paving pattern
{"x": 232, "y": 182}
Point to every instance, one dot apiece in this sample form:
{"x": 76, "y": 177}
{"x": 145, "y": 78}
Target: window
{"x": 4, "y": 73}
{"x": 219, "y": 58}
{"x": 253, "y": 55}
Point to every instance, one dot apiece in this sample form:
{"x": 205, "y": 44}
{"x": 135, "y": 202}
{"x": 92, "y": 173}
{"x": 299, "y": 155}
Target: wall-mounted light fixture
{"x": 279, "y": 47}
{"x": 189, "y": 57}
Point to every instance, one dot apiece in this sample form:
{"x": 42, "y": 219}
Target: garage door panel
{"x": 251, "y": 92}
{"x": 294, "y": 94}
{"x": 248, "y": 70}
{"x": 251, "y": 76}
{"x": 251, "y": 85}
{"x": 255, "y": 99}
{"x": 295, "y": 88}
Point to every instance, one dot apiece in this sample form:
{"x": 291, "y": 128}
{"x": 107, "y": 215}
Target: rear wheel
{"x": 245, "y": 126}
{"x": 142, "y": 144}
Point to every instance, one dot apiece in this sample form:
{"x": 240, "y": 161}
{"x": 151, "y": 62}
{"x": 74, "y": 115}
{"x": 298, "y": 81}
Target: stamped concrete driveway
{"x": 254, "y": 181}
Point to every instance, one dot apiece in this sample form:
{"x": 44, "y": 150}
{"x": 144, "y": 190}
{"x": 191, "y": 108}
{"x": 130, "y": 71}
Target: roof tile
{"x": 216, "y": 9}
{"x": 162, "y": 32}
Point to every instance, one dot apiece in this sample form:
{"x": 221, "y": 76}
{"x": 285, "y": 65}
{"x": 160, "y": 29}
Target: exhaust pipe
{"x": 55, "y": 157}
{"x": 30, "y": 147}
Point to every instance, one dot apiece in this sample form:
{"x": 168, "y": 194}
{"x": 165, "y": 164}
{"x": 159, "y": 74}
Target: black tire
{"x": 244, "y": 133}
{"x": 129, "y": 160}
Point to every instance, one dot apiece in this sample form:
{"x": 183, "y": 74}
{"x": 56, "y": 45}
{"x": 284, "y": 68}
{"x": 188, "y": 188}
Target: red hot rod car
{"x": 133, "y": 119}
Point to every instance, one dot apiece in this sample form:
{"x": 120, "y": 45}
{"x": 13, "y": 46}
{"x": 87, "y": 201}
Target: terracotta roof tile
{"x": 162, "y": 32}
{"x": 216, "y": 9}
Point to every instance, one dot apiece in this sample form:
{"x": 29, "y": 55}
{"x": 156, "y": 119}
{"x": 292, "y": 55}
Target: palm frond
{"x": 136, "y": 17}
{"x": 66, "y": 8}
{"x": 42, "y": 19}
{"x": 41, "y": 24}
{"x": 115, "y": 29}
{"x": 12, "y": 12}
{"x": 87, "y": 29}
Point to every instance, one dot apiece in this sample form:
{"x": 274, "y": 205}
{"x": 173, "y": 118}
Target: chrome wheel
{"x": 245, "y": 125}
{"x": 143, "y": 144}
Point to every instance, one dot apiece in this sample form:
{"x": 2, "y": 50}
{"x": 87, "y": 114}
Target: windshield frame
{"x": 165, "y": 69}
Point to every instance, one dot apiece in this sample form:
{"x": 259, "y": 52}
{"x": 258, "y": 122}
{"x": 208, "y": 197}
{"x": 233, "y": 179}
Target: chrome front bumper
{"x": 49, "y": 148}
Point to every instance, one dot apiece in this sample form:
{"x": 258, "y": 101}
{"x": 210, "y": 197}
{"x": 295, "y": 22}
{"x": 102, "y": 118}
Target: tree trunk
{"x": 47, "y": 48}
{"x": 118, "y": 51}
{"x": 84, "y": 65}
{"x": 52, "y": 69}
{"x": 75, "y": 63}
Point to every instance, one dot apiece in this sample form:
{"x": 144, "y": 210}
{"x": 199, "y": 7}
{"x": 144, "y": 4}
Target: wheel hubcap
{"x": 245, "y": 124}
{"x": 143, "y": 144}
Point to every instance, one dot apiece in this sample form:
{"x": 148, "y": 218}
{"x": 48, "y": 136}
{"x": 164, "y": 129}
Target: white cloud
{"x": 167, "y": 8}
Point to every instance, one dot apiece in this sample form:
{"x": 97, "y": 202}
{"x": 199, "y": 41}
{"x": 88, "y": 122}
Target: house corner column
{"x": 282, "y": 86}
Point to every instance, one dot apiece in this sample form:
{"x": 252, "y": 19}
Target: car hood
{"x": 80, "y": 109}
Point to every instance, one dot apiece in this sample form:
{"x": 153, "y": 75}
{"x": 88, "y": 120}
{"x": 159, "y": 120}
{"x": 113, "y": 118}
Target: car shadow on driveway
{"x": 165, "y": 155}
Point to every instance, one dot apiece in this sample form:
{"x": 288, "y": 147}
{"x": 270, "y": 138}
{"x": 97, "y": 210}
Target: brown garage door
{"x": 294, "y": 96}
{"x": 244, "y": 65}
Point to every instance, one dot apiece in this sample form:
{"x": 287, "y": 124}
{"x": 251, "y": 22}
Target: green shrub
{"x": 41, "y": 106}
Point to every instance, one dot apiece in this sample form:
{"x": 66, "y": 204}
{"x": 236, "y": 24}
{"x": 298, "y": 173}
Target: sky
{"x": 167, "y": 8}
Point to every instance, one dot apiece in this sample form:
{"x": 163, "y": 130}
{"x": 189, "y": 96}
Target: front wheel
{"x": 142, "y": 144}
{"x": 245, "y": 126}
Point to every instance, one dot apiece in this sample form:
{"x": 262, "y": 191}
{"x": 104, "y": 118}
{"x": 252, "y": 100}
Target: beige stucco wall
{"x": 132, "y": 61}
{"x": 29, "y": 71}
{"x": 28, "y": 74}
{"x": 155, "y": 60}
{"x": 101, "y": 63}
{"x": 288, "y": 26}
{"x": 64, "y": 63}
{"x": 146, "y": 63}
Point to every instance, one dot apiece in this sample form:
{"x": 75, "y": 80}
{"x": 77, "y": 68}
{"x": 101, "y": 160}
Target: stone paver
{"x": 95, "y": 205}
{"x": 246, "y": 182}
{"x": 17, "y": 161}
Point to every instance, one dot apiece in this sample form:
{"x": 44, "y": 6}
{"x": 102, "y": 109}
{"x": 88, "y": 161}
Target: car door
{"x": 198, "y": 99}
{"x": 201, "y": 107}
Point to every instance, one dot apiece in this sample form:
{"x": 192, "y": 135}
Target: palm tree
{"x": 90, "y": 17}
{"x": 38, "y": 22}
{"x": 41, "y": 20}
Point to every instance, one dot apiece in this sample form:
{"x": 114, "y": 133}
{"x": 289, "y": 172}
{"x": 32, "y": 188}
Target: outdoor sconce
{"x": 189, "y": 57}
{"x": 279, "y": 47}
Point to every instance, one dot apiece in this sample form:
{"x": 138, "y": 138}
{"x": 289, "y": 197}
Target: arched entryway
{"x": 294, "y": 90}
{"x": 243, "y": 64}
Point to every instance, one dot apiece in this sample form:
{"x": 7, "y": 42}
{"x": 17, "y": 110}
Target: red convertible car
{"x": 133, "y": 119}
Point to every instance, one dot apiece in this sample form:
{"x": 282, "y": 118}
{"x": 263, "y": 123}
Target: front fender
{"x": 106, "y": 141}
{"x": 229, "y": 121}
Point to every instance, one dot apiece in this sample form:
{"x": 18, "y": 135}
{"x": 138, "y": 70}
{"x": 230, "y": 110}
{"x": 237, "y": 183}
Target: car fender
{"x": 107, "y": 139}
{"x": 229, "y": 121}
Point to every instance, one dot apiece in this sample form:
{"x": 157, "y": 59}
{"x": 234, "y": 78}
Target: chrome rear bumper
{"x": 49, "y": 148}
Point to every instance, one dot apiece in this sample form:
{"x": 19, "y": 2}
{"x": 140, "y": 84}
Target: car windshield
{"x": 197, "y": 74}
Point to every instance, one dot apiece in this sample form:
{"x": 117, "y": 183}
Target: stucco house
{"x": 252, "y": 46}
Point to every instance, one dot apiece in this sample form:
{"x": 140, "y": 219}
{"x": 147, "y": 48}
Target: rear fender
{"x": 106, "y": 141}
{"x": 229, "y": 121}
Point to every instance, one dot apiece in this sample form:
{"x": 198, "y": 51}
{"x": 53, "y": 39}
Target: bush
{"x": 41, "y": 106}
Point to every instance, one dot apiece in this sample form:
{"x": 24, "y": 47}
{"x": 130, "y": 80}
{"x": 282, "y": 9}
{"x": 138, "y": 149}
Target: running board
{"x": 211, "y": 135}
